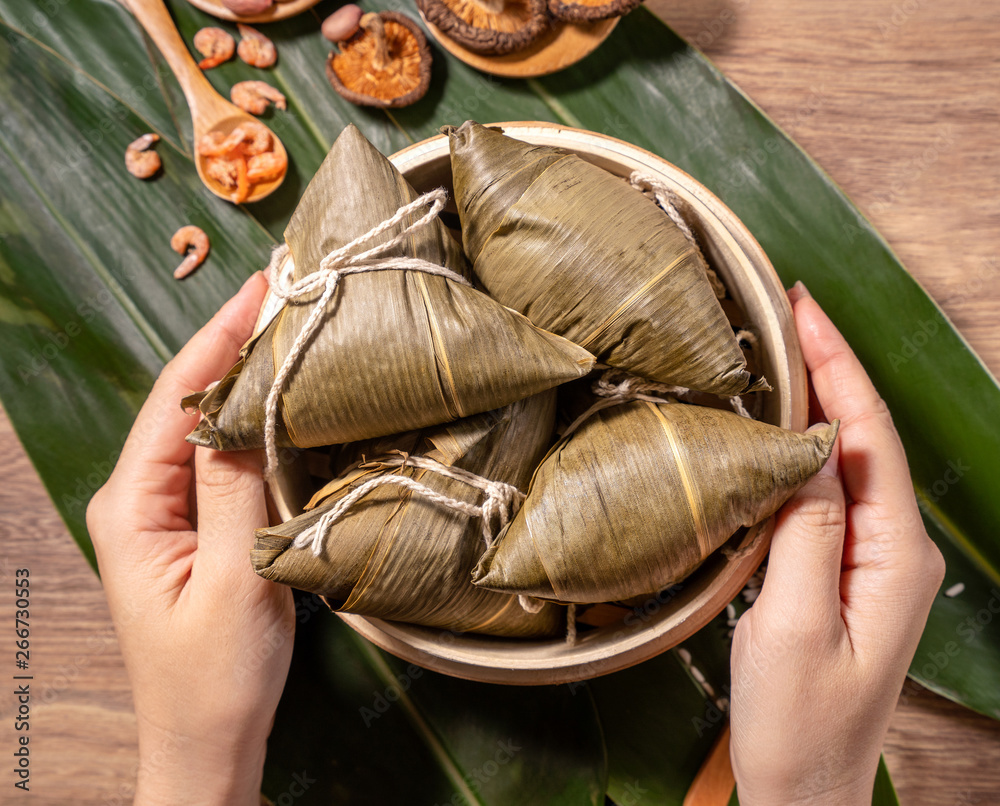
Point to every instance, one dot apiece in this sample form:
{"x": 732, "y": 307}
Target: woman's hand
{"x": 207, "y": 643}
{"x": 820, "y": 658}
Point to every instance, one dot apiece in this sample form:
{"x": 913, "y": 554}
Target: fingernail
{"x": 798, "y": 291}
{"x": 249, "y": 280}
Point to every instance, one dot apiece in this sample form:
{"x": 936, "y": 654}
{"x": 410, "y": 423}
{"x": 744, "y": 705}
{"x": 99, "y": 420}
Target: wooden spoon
{"x": 209, "y": 110}
{"x": 713, "y": 785}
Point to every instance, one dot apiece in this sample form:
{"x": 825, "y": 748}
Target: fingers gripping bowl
{"x": 650, "y": 626}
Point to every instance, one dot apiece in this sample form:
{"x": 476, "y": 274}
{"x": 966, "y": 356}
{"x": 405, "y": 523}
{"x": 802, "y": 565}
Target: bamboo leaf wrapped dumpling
{"x": 640, "y": 494}
{"x": 431, "y": 349}
{"x": 581, "y": 253}
{"x": 397, "y": 555}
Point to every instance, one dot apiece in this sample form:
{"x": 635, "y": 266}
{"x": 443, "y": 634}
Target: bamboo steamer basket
{"x": 669, "y": 618}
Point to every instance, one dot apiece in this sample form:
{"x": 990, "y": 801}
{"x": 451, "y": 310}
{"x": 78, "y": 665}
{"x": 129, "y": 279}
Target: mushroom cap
{"x": 403, "y": 82}
{"x": 472, "y": 26}
{"x": 590, "y": 10}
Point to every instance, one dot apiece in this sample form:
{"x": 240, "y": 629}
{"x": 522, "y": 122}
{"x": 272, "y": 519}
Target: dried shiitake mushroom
{"x": 492, "y": 27}
{"x": 590, "y": 10}
{"x": 387, "y": 63}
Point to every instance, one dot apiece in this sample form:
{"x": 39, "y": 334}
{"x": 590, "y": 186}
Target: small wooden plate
{"x": 279, "y": 11}
{"x": 559, "y": 47}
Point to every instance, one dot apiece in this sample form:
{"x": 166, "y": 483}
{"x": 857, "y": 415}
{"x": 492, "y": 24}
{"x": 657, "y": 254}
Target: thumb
{"x": 230, "y": 500}
{"x": 808, "y": 544}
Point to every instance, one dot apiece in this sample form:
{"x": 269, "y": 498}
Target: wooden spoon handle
{"x": 155, "y": 18}
{"x": 713, "y": 785}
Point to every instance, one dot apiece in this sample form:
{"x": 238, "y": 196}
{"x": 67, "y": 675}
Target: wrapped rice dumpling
{"x": 397, "y": 555}
{"x": 581, "y": 253}
{"x": 396, "y": 349}
{"x": 640, "y": 494}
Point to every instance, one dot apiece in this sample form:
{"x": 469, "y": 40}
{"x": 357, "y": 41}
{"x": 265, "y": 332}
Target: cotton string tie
{"x": 320, "y": 286}
{"x": 670, "y": 203}
{"x": 501, "y": 501}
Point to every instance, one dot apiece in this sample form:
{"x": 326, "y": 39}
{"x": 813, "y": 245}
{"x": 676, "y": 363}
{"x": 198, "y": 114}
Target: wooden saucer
{"x": 559, "y": 47}
{"x": 279, "y": 11}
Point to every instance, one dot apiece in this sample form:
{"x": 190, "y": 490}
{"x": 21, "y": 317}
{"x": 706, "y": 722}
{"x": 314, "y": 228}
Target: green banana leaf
{"x": 366, "y": 728}
{"x": 648, "y": 764}
{"x": 636, "y": 703}
{"x": 89, "y": 311}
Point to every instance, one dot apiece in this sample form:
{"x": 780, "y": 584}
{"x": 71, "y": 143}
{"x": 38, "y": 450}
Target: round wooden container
{"x": 663, "y": 621}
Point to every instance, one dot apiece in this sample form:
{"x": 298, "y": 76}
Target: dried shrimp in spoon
{"x": 226, "y": 158}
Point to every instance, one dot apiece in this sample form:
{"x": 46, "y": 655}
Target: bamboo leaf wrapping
{"x": 640, "y": 494}
{"x": 396, "y": 555}
{"x": 581, "y": 253}
{"x": 432, "y": 349}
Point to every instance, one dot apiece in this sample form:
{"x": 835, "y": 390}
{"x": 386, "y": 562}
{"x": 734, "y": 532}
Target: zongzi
{"x": 581, "y": 253}
{"x": 640, "y": 494}
{"x": 394, "y": 349}
{"x": 395, "y": 553}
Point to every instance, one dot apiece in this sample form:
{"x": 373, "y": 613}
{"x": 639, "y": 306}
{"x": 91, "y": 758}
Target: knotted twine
{"x": 500, "y": 504}
{"x": 670, "y": 202}
{"x": 322, "y": 284}
{"x": 632, "y": 387}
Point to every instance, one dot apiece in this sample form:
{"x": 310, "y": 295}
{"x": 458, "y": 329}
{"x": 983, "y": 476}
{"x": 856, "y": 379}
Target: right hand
{"x": 819, "y": 660}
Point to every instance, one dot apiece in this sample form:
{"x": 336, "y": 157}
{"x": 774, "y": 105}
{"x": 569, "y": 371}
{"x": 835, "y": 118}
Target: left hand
{"x": 207, "y": 643}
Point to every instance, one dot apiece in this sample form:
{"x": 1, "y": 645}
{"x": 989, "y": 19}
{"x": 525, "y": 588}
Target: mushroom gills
{"x": 387, "y": 63}
{"x": 488, "y": 27}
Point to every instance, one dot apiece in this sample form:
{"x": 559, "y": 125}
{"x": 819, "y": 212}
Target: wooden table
{"x": 899, "y": 101}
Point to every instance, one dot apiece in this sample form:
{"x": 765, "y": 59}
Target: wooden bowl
{"x": 665, "y": 620}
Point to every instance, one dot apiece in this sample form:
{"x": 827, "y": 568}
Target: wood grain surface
{"x": 898, "y": 100}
